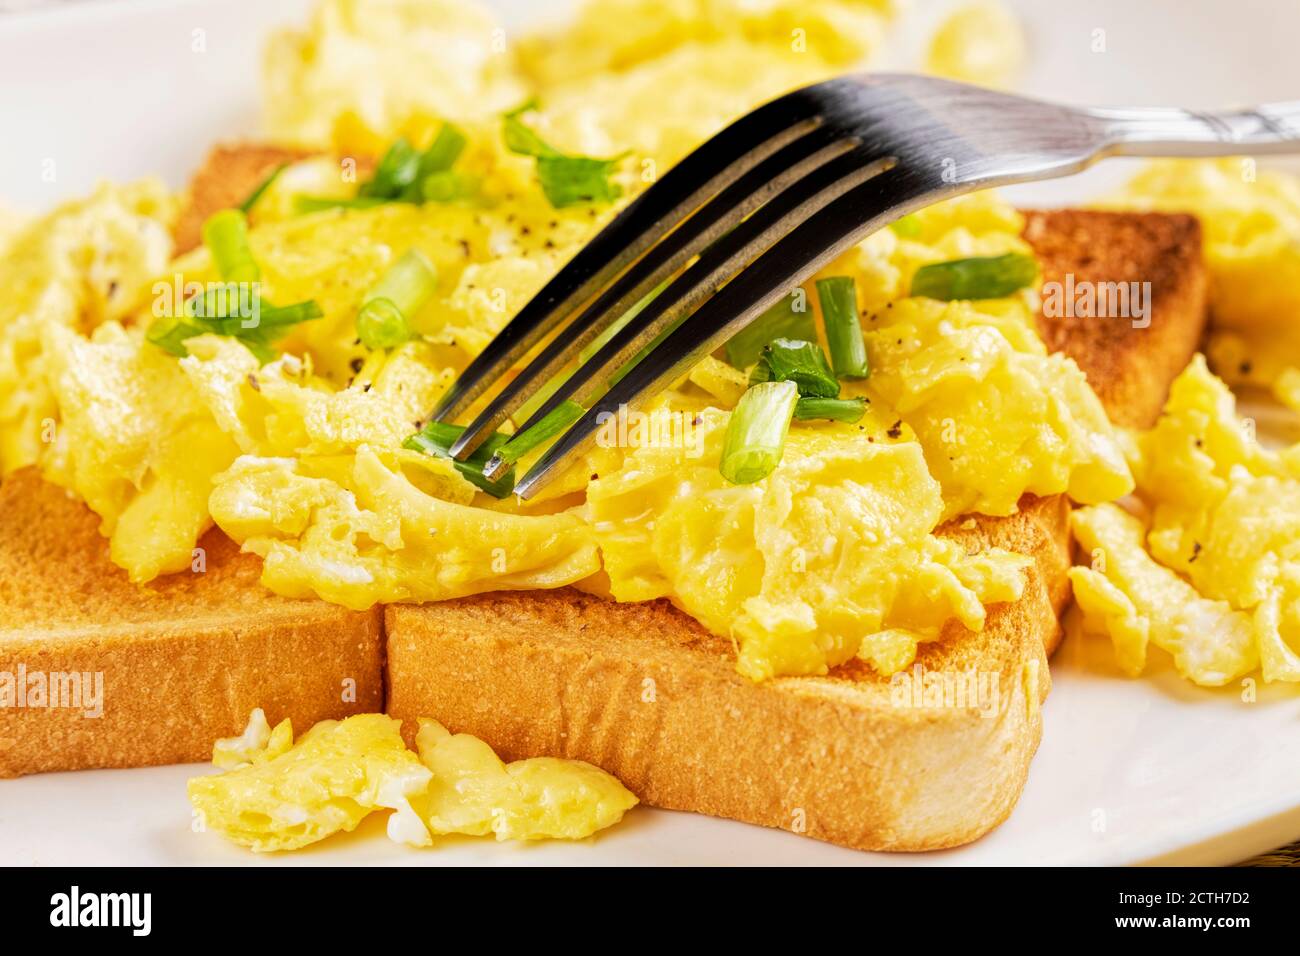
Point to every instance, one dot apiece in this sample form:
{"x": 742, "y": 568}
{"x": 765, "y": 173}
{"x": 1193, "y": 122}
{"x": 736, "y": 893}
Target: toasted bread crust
{"x": 226, "y": 178}
{"x": 1129, "y": 366}
{"x": 641, "y": 689}
{"x": 184, "y": 659}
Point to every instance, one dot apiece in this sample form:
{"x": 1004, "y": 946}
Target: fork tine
{"x": 703, "y": 173}
{"x": 719, "y": 215}
{"x": 801, "y": 253}
{"x": 703, "y": 278}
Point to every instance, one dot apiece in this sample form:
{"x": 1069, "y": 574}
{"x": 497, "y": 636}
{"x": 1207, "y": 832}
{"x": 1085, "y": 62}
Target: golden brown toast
{"x": 641, "y": 690}
{"x": 184, "y": 659}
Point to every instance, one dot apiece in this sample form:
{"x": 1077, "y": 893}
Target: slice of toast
{"x": 174, "y": 664}
{"x": 853, "y": 758}
{"x": 639, "y": 689}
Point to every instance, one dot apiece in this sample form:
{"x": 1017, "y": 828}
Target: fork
{"x": 769, "y": 201}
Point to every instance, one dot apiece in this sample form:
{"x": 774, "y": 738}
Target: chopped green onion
{"x": 224, "y": 310}
{"x": 381, "y": 325}
{"x": 555, "y": 421}
{"x": 226, "y": 236}
{"x": 755, "y": 437}
{"x": 278, "y": 316}
{"x": 793, "y": 360}
{"x": 397, "y": 169}
{"x": 909, "y": 227}
{"x": 536, "y": 400}
{"x": 383, "y": 321}
{"x": 780, "y": 321}
{"x": 444, "y": 150}
{"x": 539, "y": 397}
{"x": 988, "y": 277}
{"x": 839, "y": 301}
{"x": 247, "y": 205}
{"x": 408, "y": 283}
{"x": 836, "y": 409}
{"x": 447, "y": 186}
{"x": 436, "y": 438}
{"x": 435, "y": 165}
{"x": 570, "y": 180}
{"x": 566, "y": 180}
{"x": 169, "y": 334}
{"x": 305, "y": 204}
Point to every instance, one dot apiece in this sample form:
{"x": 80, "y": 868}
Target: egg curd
{"x": 300, "y": 457}
{"x": 280, "y": 794}
{"x": 1210, "y": 571}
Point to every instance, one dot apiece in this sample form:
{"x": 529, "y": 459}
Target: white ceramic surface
{"x": 1150, "y": 770}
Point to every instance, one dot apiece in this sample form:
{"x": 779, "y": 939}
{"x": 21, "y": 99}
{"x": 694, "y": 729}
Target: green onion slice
{"x": 381, "y": 324}
{"x": 226, "y": 236}
{"x": 247, "y": 205}
{"x": 755, "y": 438}
{"x": 988, "y": 277}
{"x": 383, "y": 321}
{"x": 909, "y": 227}
{"x": 446, "y": 185}
{"x": 839, "y": 301}
{"x": 169, "y": 334}
{"x": 835, "y": 409}
{"x": 305, "y": 204}
{"x": 798, "y": 361}
{"x": 566, "y": 180}
{"x": 780, "y": 321}
{"x": 436, "y": 438}
{"x": 397, "y": 169}
{"x": 555, "y": 421}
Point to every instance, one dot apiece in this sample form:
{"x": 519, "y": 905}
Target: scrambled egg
{"x": 800, "y": 567}
{"x": 300, "y": 459}
{"x": 979, "y": 43}
{"x": 1214, "y": 576}
{"x": 376, "y": 63}
{"x": 87, "y": 262}
{"x": 278, "y": 794}
{"x": 291, "y": 794}
{"x": 541, "y": 798}
{"x": 1250, "y": 218}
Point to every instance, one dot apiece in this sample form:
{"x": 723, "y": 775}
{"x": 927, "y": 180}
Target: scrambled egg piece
{"x": 379, "y": 61}
{"x": 978, "y": 43}
{"x": 541, "y": 798}
{"x": 257, "y": 744}
{"x": 134, "y": 441}
{"x": 278, "y": 794}
{"x": 605, "y": 88}
{"x": 356, "y": 531}
{"x": 801, "y": 566}
{"x": 838, "y": 33}
{"x": 996, "y": 415}
{"x": 328, "y": 781}
{"x": 87, "y": 262}
{"x": 1220, "y": 587}
{"x": 1137, "y": 602}
{"x": 1251, "y": 223}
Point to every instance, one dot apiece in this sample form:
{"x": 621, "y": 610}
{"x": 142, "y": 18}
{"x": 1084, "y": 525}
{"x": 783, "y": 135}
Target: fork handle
{"x": 1161, "y": 131}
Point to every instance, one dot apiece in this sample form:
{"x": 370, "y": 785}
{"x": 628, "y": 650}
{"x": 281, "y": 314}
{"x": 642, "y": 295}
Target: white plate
{"x": 1129, "y": 771}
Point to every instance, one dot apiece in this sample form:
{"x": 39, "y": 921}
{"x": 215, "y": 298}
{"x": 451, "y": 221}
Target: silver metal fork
{"x": 772, "y": 199}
